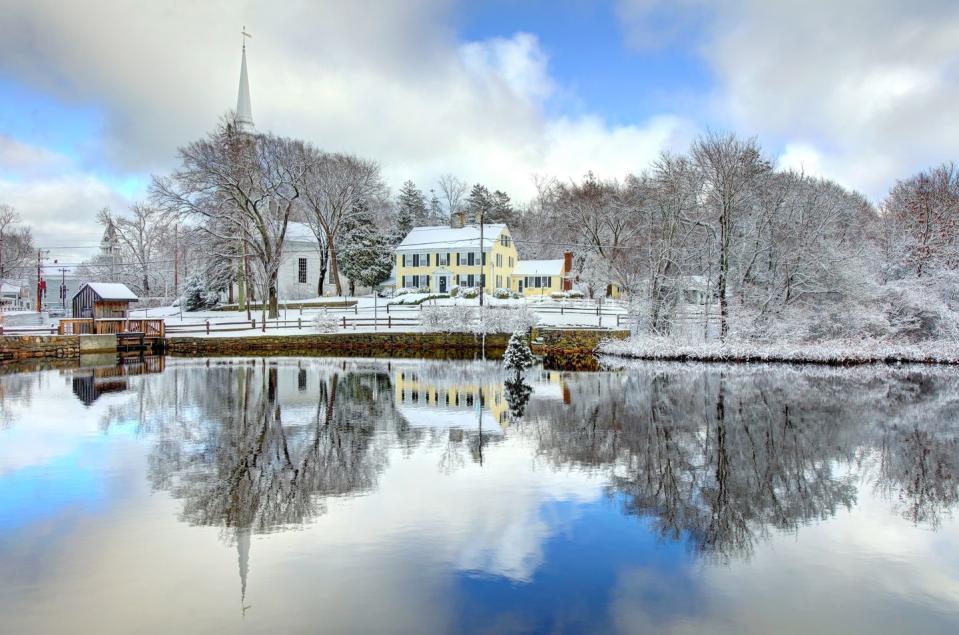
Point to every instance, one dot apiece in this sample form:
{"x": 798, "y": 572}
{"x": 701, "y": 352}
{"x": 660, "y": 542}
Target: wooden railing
{"x": 111, "y": 326}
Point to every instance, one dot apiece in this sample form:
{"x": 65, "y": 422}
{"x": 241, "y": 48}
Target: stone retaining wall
{"x": 18, "y": 347}
{"x": 424, "y": 345}
{"x": 573, "y": 349}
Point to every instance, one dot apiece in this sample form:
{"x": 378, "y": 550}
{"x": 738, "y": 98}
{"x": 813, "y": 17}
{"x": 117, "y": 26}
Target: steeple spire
{"x": 244, "y": 111}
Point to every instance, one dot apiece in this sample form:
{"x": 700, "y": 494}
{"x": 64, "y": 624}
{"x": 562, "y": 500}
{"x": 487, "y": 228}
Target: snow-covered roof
{"x": 436, "y": 237}
{"x": 7, "y": 288}
{"x": 539, "y": 268}
{"x": 111, "y": 290}
{"x": 300, "y": 232}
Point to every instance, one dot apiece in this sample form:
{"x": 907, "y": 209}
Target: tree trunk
{"x": 324, "y": 259}
{"x": 334, "y": 268}
{"x": 723, "y": 273}
{"x": 273, "y": 302}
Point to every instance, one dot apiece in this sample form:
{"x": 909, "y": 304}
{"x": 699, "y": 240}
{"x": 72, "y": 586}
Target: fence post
{"x": 208, "y": 327}
{"x": 344, "y": 322}
{"x": 253, "y": 324}
{"x": 389, "y": 320}
{"x": 299, "y": 323}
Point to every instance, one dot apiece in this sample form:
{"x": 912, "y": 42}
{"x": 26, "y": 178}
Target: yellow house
{"x": 468, "y": 406}
{"x": 533, "y": 278}
{"x": 441, "y": 257}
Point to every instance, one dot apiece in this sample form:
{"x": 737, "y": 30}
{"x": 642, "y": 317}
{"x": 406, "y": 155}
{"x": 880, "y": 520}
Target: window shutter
{"x": 484, "y": 257}
{"x": 404, "y": 264}
{"x": 457, "y": 263}
{"x": 427, "y": 260}
{"x": 403, "y": 279}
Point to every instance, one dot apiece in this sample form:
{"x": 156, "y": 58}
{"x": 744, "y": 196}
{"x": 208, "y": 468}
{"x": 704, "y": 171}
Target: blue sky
{"x": 861, "y": 91}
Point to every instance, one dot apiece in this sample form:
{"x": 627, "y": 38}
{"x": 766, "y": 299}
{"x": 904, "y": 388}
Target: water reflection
{"x": 713, "y": 460}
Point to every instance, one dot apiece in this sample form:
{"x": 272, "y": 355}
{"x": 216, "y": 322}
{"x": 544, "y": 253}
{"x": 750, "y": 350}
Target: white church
{"x": 299, "y": 274}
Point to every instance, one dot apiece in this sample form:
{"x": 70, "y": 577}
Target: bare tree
{"x": 730, "y": 169}
{"x": 453, "y": 192}
{"x": 335, "y": 186}
{"x": 16, "y": 243}
{"x": 139, "y": 236}
{"x": 249, "y": 184}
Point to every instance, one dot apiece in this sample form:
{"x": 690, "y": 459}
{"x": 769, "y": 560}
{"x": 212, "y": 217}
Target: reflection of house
{"x": 90, "y": 383}
{"x": 103, "y": 300}
{"x": 465, "y": 406}
{"x": 440, "y": 257}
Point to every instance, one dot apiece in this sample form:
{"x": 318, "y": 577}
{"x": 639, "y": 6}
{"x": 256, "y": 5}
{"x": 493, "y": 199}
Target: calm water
{"x": 349, "y": 496}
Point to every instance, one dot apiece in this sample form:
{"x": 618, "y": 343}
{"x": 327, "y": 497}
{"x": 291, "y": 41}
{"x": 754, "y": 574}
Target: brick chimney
{"x": 457, "y": 220}
{"x": 568, "y": 271}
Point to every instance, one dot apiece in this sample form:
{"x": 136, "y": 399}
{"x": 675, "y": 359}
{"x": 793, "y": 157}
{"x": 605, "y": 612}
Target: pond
{"x": 372, "y": 496}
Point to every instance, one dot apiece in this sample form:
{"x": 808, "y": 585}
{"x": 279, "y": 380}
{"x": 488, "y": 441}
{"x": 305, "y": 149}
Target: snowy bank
{"x": 836, "y": 352}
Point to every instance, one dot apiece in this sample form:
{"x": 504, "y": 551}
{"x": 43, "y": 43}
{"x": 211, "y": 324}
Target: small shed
{"x": 103, "y": 300}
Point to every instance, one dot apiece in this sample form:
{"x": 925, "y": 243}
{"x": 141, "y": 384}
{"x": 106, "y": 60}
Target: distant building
{"x": 101, "y": 300}
{"x": 14, "y": 297}
{"x": 542, "y": 277}
{"x": 440, "y": 257}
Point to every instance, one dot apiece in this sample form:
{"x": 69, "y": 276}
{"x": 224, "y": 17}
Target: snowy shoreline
{"x": 831, "y": 353}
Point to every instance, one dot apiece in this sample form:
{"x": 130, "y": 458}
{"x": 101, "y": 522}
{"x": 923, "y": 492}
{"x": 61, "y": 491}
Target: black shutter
{"x": 457, "y": 259}
{"x": 404, "y": 264}
{"x": 427, "y": 260}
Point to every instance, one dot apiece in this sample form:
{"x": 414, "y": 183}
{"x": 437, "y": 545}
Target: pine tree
{"x": 479, "y": 204}
{"x": 367, "y": 258}
{"x": 194, "y": 295}
{"x": 517, "y": 357}
{"x": 410, "y": 209}
{"x": 517, "y": 396}
{"x": 501, "y": 208}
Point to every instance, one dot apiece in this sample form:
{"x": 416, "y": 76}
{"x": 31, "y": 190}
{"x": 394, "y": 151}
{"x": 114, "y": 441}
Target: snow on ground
{"x": 582, "y": 314}
{"x": 826, "y": 352}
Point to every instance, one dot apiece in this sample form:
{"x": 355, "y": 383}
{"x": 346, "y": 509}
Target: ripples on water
{"x": 292, "y": 495}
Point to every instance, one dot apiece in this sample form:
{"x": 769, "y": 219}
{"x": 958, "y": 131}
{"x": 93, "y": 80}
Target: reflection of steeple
{"x": 243, "y": 560}
{"x": 244, "y": 109}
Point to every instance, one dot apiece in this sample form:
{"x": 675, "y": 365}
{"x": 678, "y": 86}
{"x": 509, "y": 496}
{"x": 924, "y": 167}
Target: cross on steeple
{"x": 244, "y": 110}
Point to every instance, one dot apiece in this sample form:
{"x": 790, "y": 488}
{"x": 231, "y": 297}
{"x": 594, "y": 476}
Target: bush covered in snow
{"x": 469, "y": 292}
{"x": 558, "y": 295}
{"x": 455, "y": 291}
{"x": 325, "y": 322}
{"x": 502, "y": 294}
{"x": 472, "y": 319}
{"x": 576, "y": 295}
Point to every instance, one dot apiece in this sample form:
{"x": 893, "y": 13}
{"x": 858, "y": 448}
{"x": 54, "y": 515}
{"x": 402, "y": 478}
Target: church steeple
{"x": 244, "y": 111}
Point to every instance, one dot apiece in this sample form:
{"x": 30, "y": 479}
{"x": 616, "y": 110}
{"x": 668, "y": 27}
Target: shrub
{"x": 455, "y": 291}
{"x": 401, "y": 291}
{"x": 423, "y": 290}
{"x": 446, "y": 319}
{"x": 576, "y": 295}
{"x": 325, "y": 322}
{"x": 469, "y": 293}
{"x": 502, "y": 294}
{"x": 558, "y": 295}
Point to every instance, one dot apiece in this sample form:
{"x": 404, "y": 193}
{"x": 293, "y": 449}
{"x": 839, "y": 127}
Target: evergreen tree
{"x": 517, "y": 396}
{"x": 195, "y": 295}
{"x": 367, "y": 258}
{"x": 479, "y": 204}
{"x": 502, "y": 210}
{"x": 517, "y": 357}
{"x": 411, "y": 209}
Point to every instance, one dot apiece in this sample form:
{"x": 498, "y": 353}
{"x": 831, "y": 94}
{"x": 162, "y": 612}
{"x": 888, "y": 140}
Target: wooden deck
{"x": 132, "y": 334}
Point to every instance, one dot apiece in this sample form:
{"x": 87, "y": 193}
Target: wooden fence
{"x": 150, "y": 327}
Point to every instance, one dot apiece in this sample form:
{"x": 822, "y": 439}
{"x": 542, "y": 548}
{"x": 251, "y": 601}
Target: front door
{"x": 520, "y": 289}
{"x": 442, "y": 284}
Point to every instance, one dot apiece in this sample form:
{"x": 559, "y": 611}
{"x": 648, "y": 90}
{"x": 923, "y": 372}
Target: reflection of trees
{"x": 251, "y": 470}
{"x": 721, "y": 456}
{"x": 517, "y": 394}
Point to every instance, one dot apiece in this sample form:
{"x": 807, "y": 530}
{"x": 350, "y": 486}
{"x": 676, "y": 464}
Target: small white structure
{"x": 13, "y": 297}
{"x": 299, "y": 274}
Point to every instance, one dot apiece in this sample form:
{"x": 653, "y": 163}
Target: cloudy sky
{"x": 96, "y": 96}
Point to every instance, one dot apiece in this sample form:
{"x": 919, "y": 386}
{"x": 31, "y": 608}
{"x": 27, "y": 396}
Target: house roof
{"x": 539, "y": 268}
{"x": 6, "y": 287}
{"x": 111, "y": 290}
{"x": 435, "y": 237}
{"x": 300, "y": 232}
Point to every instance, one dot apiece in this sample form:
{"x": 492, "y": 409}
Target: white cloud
{"x": 869, "y": 87}
{"x": 385, "y": 80}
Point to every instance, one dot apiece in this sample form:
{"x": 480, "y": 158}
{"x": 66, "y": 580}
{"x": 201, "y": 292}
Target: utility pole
{"x": 41, "y": 285}
{"x": 63, "y": 289}
{"x": 482, "y": 260}
{"x": 176, "y": 260}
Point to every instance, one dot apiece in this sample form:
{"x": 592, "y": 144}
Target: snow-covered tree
{"x": 479, "y": 204}
{"x": 367, "y": 257}
{"x": 518, "y": 357}
{"x": 195, "y": 292}
{"x": 411, "y": 208}
{"x": 16, "y": 244}
{"x": 517, "y": 394}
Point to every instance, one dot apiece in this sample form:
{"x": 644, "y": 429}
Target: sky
{"x": 97, "y": 96}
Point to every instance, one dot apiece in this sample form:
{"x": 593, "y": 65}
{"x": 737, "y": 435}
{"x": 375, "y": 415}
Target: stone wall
{"x": 573, "y": 349}
{"x": 422, "y": 345}
{"x": 18, "y": 347}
